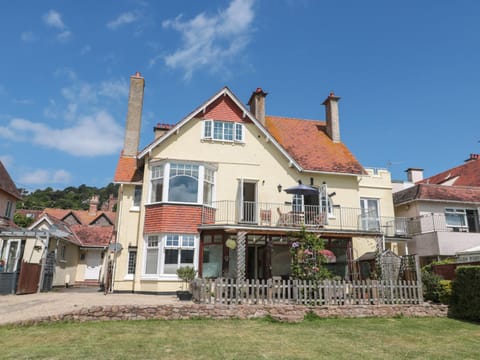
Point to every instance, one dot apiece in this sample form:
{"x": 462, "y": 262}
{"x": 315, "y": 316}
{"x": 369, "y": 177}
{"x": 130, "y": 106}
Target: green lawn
{"x": 367, "y": 338}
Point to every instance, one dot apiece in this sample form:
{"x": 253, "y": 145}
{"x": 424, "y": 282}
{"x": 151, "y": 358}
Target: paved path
{"x": 15, "y": 308}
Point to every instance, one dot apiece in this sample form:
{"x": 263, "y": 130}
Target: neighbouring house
{"x": 78, "y": 242}
{"x": 9, "y": 195}
{"x": 442, "y": 211}
{"x": 209, "y": 192}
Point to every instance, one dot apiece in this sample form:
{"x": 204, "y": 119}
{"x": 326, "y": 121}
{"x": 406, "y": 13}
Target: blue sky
{"x": 408, "y": 73}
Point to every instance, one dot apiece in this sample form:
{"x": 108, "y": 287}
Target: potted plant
{"x": 186, "y": 274}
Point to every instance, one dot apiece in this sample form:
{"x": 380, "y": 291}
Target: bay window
{"x": 222, "y": 130}
{"x": 166, "y": 253}
{"x": 157, "y": 183}
{"x": 182, "y": 183}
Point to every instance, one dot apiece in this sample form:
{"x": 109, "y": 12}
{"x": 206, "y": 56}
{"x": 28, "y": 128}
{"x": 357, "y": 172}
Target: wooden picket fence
{"x": 327, "y": 292}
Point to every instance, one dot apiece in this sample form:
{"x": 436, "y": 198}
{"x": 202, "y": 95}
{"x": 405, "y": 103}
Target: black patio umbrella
{"x": 302, "y": 189}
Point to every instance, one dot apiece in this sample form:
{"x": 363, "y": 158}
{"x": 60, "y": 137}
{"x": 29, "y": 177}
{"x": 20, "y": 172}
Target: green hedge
{"x": 465, "y": 299}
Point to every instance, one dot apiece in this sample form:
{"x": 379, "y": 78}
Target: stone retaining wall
{"x": 288, "y": 313}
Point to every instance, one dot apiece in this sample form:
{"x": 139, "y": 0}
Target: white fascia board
{"x": 222, "y": 92}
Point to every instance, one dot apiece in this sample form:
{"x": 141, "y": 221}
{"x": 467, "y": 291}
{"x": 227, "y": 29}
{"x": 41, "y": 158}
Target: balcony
{"x": 272, "y": 215}
{"x": 434, "y": 222}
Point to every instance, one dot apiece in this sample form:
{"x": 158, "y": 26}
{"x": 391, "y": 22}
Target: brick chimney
{"x": 257, "y": 104}
{"x": 414, "y": 174}
{"x": 331, "y": 117}
{"x": 134, "y": 115}
{"x": 160, "y": 129}
{"x": 94, "y": 201}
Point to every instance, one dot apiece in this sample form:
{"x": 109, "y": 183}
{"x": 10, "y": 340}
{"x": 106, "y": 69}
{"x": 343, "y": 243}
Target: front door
{"x": 93, "y": 260}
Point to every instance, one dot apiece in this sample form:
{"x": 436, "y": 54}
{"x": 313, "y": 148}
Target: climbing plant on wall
{"x": 307, "y": 260}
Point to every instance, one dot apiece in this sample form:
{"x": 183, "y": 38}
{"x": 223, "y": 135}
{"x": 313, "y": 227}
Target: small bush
{"x": 445, "y": 291}
{"x": 431, "y": 285}
{"x": 465, "y": 299}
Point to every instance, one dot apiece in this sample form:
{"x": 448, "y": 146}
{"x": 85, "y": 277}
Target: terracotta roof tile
{"x": 467, "y": 194}
{"x": 7, "y": 184}
{"x": 127, "y": 170}
{"x": 467, "y": 174}
{"x": 308, "y": 143}
{"x": 93, "y": 235}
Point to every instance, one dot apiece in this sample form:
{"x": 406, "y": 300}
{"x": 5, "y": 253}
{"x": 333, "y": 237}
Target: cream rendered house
{"x": 209, "y": 192}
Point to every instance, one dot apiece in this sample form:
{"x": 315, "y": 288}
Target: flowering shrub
{"x": 308, "y": 262}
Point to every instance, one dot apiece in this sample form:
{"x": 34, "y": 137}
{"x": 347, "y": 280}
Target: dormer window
{"x": 222, "y": 131}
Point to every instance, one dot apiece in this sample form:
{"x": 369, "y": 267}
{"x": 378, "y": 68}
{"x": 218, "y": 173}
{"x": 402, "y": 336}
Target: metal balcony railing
{"x": 229, "y": 212}
{"x": 440, "y": 222}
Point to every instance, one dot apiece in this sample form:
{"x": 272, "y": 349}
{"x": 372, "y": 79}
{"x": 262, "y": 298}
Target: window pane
{"x": 132, "y": 259}
{"x": 188, "y": 241}
{"x": 172, "y": 241}
{"x": 207, "y": 129}
{"x": 152, "y": 241}
{"x": 207, "y": 193}
{"x": 171, "y": 261}
{"x": 183, "y": 189}
{"x": 218, "y": 130}
{"x": 228, "y": 131}
{"x": 186, "y": 257}
{"x": 137, "y": 197}
{"x": 238, "y": 132}
{"x": 212, "y": 261}
{"x": 151, "y": 261}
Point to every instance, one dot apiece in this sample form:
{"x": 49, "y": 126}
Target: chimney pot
{"x": 414, "y": 175}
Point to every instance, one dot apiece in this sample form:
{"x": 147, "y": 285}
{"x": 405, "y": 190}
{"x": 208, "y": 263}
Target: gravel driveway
{"x": 14, "y": 308}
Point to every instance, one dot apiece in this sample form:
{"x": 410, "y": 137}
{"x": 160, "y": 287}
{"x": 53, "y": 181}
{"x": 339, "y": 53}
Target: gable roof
{"x": 467, "y": 174}
{"x": 431, "y": 192}
{"x": 83, "y": 216}
{"x": 304, "y": 143}
{"x": 7, "y": 184}
{"x": 309, "y": 144}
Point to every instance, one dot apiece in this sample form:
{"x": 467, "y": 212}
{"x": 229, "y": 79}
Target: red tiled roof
{"x": 308, "y": 143}
{"x": 467, "y": 174}
{"x": 93, "y": 235}
{"x": 83, "y": 216}
{"x": 466, "y": 194}
{"x": 7, "y": 184}
{"x": 127, "y": 170}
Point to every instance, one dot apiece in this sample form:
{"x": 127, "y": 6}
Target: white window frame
{"x": 129, "y": 274}
{"x": 237, "y": 131}
{"x": 137, "y": 197}
{"x": 369, "y": 222}
{"x": 166, "y": 166}
{"x": 8, "y": 209}
{"x": 457, "y": 212}
{"x": 161, "y": 247}
{"x": 5, "y": 252}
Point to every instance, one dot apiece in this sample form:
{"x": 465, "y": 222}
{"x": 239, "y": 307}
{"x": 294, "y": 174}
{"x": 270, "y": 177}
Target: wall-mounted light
{"x": 332, "y": 194}
{"x": 279, "y": 188}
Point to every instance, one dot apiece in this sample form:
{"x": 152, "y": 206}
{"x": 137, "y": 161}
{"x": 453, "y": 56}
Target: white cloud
{"x": 42, "y": 176}
{"x": 64, "y": 35}
{"x": 27, "y": 36}
{"x": 94, "y": 135}
{"x": 54, "y": 19}
{"x": 211, "y": 41}
{"x": 123, "y": 19}
{"x": 85, "y": 50}
{"x": 6, "y": 160}
{"x": 114, "y": 89}
{"x": 65, "y": 72}
{"x": 23, "y": 101}
{"x": 6, "y": 132}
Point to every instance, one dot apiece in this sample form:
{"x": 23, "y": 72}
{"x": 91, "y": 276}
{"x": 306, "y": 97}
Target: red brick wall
{"x": 447, "y": 271}
{"x": 172, "y": 218}
{"x": 224, "y": 109}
